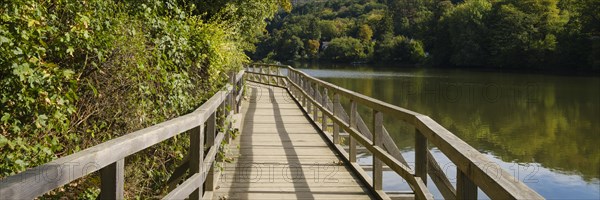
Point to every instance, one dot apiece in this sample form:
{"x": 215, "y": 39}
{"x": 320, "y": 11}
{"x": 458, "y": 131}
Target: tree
{"x": 328, "y": 30}
{"x": 365, "y": 33}
{"x": 345, "y": 49}
{"x": 312, "y": 47}
{"x": 385, "y": 27}
{"x": 290, "y": 49}
{"x": 523, "y": 32}
{"x": 400, "y": 50}
{"x": 467, "y": 32}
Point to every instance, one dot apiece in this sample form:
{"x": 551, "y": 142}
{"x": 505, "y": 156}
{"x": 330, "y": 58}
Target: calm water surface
{"x": 544, "y": 129}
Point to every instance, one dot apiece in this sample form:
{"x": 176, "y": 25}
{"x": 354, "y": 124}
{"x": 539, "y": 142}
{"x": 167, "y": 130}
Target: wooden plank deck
{"x": 282, "y": 156}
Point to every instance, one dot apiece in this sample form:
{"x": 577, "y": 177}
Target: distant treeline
{"x": 534, "y": 34}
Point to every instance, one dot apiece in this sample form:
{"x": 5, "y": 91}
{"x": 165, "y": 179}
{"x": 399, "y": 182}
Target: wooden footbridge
{"x": 297, "y": 141}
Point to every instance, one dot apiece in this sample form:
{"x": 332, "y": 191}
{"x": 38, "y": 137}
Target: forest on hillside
{"x": 521, "y": 34}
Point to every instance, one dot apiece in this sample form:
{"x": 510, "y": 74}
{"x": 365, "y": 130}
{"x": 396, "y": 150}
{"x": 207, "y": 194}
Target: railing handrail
{"x": 39, "y": 180}
{"x": 471, "y": 164}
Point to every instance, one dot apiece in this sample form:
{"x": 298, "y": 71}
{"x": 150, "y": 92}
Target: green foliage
{"x": 348, "y": 27}
{"x": 329, "y": 30}
{"x": 467, "y": 32}
{"x": 312, "y": 47}
{"x": 345, "y": 49}
{"x": 524, "y": 31}
{"x": 76, "y": 73}
{"x": 537, "y": 34}
{"x": 365, "y": 33}
{"x": 399, "y": 49}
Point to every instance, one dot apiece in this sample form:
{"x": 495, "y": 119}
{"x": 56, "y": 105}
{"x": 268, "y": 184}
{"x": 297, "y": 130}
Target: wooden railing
{"x": 322, "y": 100}
{"x": 108, "y": 157}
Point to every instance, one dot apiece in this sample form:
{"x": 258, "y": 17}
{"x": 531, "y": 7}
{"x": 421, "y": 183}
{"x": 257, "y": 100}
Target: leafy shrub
{"x": 400, "y": 49}
{"x": 76, "y": 73}
{"x": 345, "y": 49}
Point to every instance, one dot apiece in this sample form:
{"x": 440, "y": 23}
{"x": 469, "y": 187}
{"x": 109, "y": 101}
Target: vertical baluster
{"x": 308, "y": 94}
{"x": 300, "y": 89}
{"x": 274, "y": 77}
{"x": 336, "y": 127}
{"x": 377, "y": 141}
{"x": 263, "y": 71}
{"x": 303, "y": 88}
{"x": 112, "y": 180}
{"x": 278, "y": 73}
{"x": 465, "y": 188}
{"x": 421, "y": 156}
{"x": 281, "y": 78}
{"x": 324, "y": 104}
{"x": 316, "y": 98}
{"x": 295, "y": 81}
{"x": 260, "y": 71}
{"x": 254, "y": 70}
{"x": 196, "y": 156}
{"x": 260, "y": 74}
{"x": 352, "y": 142}
{"x": 211, "y": 130}
{"x": 232, "y": 93}
{"x": 240, "y": 91}
{"x": 255, "y": 76}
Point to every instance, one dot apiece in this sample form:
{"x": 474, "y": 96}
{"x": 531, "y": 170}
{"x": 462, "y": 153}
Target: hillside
{"x": 520, "y": 34}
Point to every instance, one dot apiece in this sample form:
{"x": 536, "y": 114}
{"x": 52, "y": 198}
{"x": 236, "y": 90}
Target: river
{"x": 543, "y": 129}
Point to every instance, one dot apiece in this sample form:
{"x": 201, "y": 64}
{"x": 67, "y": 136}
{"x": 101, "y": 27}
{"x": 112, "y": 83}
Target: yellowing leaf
{"x": 70, "y": 51}
{"x": 32, "y": 22}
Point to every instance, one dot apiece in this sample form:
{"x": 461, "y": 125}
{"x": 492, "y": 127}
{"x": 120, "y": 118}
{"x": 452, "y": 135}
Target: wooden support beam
{"x": 439, "y": 178}
{"x": 465, "y": 188}
{"x": 316, "y": 97}
{"x": 323, "y": 116}
{"x": 353, "y": 113}
{"x": 336, "y": 126}
{"x": 196, "y": 157}
{"x": 377, "y": 164}
{"x": 112, "y": 181}
{"x": 421, "y": 156}
{"x": 211, "y": 131}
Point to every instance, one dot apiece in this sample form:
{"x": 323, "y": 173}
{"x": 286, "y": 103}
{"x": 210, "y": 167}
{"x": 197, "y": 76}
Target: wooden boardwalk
{"x": 282, "y": 155}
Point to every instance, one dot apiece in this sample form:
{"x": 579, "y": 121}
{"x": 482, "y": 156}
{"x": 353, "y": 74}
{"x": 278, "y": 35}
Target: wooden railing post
{"x": 255, "y": 76}
{"x": 295, "y": 81}
{"x": 231, "y": 99}
{"x": 465, "y": 188}
{"x": 275, "y": 72}
{"x": 279, "y": 79}
{"x": 377, "y": 141}
{"x": 421, "y": 156}
{"x": 261, "y": 76}
{"x": 270, "y": 71}
{"x": 308, "y": 94}
{"x": 315, "y": 109}
{"x": 336, "y": 127}
{"x": 211, "y": 131}
{"x": 196, "y": 157}
{"x": 240, "y": 91}
{"x": 112, "y": 180}
{"x": 352, "y": 142}
{"x": 323, "y": 116}
{"x": 302, "y": 87}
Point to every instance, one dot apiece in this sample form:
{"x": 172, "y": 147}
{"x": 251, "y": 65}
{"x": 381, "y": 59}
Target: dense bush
{"x": 400, "y": 49}
{"x": 345, "y": 49}
{"x": 76, "y": 73}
